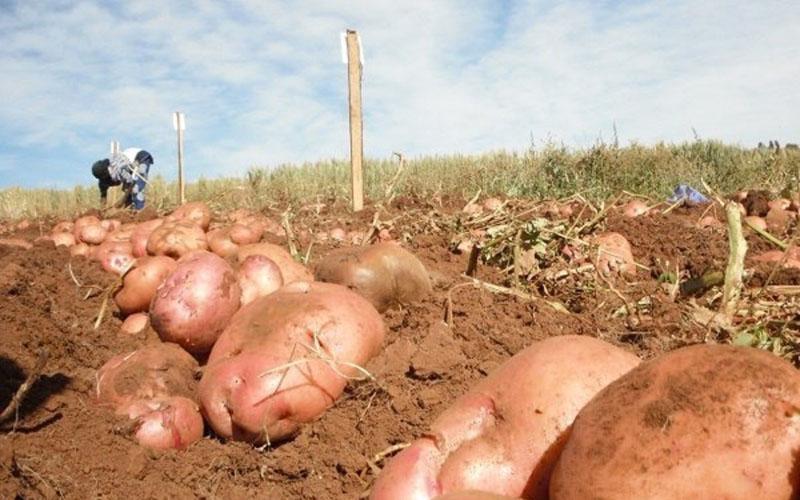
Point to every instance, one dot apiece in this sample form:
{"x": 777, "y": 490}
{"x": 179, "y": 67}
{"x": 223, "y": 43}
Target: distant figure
{"x": 128, "y": 169}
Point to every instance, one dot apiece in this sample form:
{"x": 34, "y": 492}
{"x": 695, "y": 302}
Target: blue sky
{"x": 262, "y": 83}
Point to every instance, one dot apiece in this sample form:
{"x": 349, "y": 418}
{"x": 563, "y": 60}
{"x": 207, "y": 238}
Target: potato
{"x": 291, "y": 270}
{"x": 64, "y": 227}
{"x": 338, "y": 234}
{"x": 176, "y": 239}
{"x": 110, "y": 225}
{"x": 505, "y": 434}
{"x": 123, "y": 233}
{"x": 81, "y": 249}
{"x": 614, "y": 254}
{"x": 196, "y": 212}
{"x": 780, "y": 204}
{"x": 756, "y": 222}
{"x": 225, "y": 241}
{"x": 135, "y": 324}
{"x": 165, "y": 423}
{"x": 262, "y": 381}
{"x": 706, "y": 421}
{"x": 63, "y": 239}
{"x": 81, "y": 222}
{"x": 779, "y": 220}
{"x": 635, "y": 208}
{"x": 154, "y": 371}
{"x": 492, "y": 204}
{"x": 195, "y": 302}
{"x": 473, "y": 495}
{"x": 93, "y": 234}
{"x": 140, "y": 284}
{"x": 259, "y": 276}
{"x": 790, "y": 258}
{"x": 141, "y": 233}
{"x": 384, "y": 273}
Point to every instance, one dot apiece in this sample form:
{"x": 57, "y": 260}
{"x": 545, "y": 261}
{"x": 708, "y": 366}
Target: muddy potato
{"x": 614, "y": 254}
{"x": 176, "y": 239}
{"x": 635, "y": 208}
{"x": 196, "y": 212}
{"x": 196, "y": 301}
{"x": 156, "y": 370}
{"x": 384, "y": 273}
{"x": 165, "y": 423}
{"x": 259, "y": 276}
{"x": 505, "y": 434}
{"x": 140, "y": 284}
{"x": 63, "y": 239}
{"x": 755, "y": 222}
{"x": 778, "y": 220}
{"x": 93, "y": 234}
{"x": 140, "y": 235}
{"x": 706, "y": 421}
{"x": 291, "y": 270}
{"x": 252, "y": 391}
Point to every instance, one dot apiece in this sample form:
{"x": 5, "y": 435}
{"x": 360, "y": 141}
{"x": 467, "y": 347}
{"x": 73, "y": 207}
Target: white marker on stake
{"x": 179, "y": 124}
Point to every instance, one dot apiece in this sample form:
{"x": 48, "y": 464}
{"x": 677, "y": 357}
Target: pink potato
{"x": 110, "y": 225}
{"x": 140, "y": 235}
{"x": 263, "y": 381}
{"x": 115, "y": 256}
{"x": 63, "y": 239}
{"x": 64, "y": 227}
{"x": 135, "y": 324}
{"x": 81, "y": 222}
{"x": 338, "y": 234}
{"x": 225, "y": 241}
{"x": 291, "y": 270}
{"x": 164, "y": 423}
{"x": 259, "y": 276}
{"x": 196, "y": 302}
{"x": 93, "y": 234}
{"x": 196, "y": 212}
{"x": 756, "y": 222}
{"x": 614, "y": 254}
{"x": 140, "y": 284}
{"x": 505, "y": 435}
{"x": 176, "y": 239}
{"x": 790, "y": 258}
{"x": 384, "y": 273}
{"x": 220, "y": 243}
{"x": 154, "y": 371}
{"x": 706, "y": 421}
{"x": 635, "y": 208}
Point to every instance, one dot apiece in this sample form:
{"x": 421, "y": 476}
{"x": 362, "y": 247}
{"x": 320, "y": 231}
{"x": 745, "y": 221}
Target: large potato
{"x": 176, "y": 239}
{"x": 263, "y": 381}
{"x": 140, "y": 235}
{"x": 115, "y": 256}
{"x": 706, "y": 421}
{"x": 195, "y": 302}
{"x": 291, "y": 270}
{"x": 384, "y": 273}
{"x": 196, "y": 212}
{"x": 140, "y": 284}
{"x": 505, "y": 434}
{"x": 154, "y": 371}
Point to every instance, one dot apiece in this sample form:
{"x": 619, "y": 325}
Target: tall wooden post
{"x": 356, "y": 118}
{"x": 179, "y": 122}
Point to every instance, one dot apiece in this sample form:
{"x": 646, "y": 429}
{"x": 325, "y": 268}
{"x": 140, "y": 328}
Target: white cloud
{"x": 261, "y": 82}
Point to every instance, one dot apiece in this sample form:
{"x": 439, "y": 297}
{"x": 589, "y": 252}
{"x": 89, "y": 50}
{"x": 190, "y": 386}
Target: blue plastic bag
{"x": 690, "y": 196}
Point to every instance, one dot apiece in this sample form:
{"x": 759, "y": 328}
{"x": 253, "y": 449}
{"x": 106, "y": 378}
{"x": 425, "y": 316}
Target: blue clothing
{"x": 689, "y": 195}
{"x": 131, "y": 173}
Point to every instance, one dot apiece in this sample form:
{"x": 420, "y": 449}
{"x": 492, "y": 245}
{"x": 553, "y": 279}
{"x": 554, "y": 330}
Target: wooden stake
{"x": 180, "y": 126}
{"x": 356, "y": 118}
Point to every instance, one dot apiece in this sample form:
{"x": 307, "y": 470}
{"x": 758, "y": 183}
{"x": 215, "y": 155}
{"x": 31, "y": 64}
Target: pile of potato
{"x": 250, "y": 342}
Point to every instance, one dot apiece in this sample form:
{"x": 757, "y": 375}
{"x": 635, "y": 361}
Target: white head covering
{"x": 131, "y": 153}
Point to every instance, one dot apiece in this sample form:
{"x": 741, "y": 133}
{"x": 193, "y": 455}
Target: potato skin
{"x": 176, "y": 239}
{"x": 135, "y": 324}
{"x": 706, "y": 421}
{"x": 238, "y": 392}
{"x": 258, "y": 276}
{"x": 140, "y": 235}
{"x": 156, "y": 370}
{"x": 140, "y": 284}
{"x": 505, "y": 434}
{"x": 291, "y": 270}
{"x": 195, "y": 302}
{"x": 384, "y": 273}
{"x": 195, "y": 212}
{"x": 614, "y": 255}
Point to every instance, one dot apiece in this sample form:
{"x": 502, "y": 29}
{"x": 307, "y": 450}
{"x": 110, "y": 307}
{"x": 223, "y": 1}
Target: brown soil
{"x": 64, "y": 444}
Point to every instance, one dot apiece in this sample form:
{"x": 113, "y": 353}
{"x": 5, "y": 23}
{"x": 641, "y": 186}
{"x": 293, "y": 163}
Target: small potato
{"x": 140, "y": 284}
{"x": 176, "y": 239}
{"x": 196, "y": 212}
{"x": 635, "y": 208}
{"x": 338, "y": 234}
{"x": 756, "y": 222}
{"x": 23, "y": 224}
{"x": 384, "y": 273}
{"x": 63, "y": 239}
{"x": 195, "y": 302}
{"x": 706, "y": 421}
{"x": 93, "y": 234}
{"x": 81, "y": 249}
{"x": 291, "y": 270}
{"x": 135, "y": 324}
{"x": 253, "y": 388}
{"x": 165, "y": 423}
{"x": 140, "y": 235}
{"x": 259, "y": 276}
{"x": 156, "y": 370}
{"x": 779, "y": 220}
{"x": 614, "y": 254}
{"x": 505, "y": 435}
